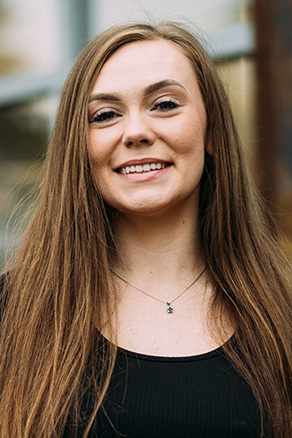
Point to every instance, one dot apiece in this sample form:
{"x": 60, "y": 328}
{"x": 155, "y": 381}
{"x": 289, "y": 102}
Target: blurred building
{"x": 39, "y": 42}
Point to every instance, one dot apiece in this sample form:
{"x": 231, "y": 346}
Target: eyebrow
{"x": 148, "y": 90}
{"x": 162, "y": 84}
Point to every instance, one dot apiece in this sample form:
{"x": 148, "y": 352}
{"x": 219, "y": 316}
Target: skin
{"x": 139, "y": 126}
{"x": 146, "y": 107}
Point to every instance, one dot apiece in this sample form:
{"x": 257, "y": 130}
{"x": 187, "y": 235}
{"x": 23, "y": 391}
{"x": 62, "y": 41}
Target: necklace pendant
{"x": 169, "y": 308}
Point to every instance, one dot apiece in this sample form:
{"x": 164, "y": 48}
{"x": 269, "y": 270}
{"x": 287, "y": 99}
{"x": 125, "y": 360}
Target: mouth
{"x": 142, "y": 168}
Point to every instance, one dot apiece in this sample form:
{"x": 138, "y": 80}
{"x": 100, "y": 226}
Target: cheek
{"x": 98, "y": 150}
{"x": 190, "y": 145}
{"x": 190, "y": 153}
{"x": 188, "y": 137}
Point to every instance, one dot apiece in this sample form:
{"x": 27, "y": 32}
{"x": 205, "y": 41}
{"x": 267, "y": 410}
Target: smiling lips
{"x": 142, "y": 168}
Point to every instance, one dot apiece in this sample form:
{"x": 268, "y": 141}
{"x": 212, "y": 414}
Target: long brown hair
{"x": 59, "y": 286}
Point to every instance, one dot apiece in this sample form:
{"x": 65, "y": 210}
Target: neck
{"x": 161, "y": 248}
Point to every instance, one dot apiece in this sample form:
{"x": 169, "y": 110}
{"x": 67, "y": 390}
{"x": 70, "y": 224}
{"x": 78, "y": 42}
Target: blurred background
{"x": 250, "y": 41}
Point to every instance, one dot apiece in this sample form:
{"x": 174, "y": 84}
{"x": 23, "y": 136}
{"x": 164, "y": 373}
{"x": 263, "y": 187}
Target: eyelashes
{"x": 104, "y": 116}
{"x": 165, "y": 105}
{"x": 108, "y": 115}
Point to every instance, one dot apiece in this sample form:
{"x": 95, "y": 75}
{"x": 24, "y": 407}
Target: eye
{"x": 104, "y": 116}
{"x": 165, "y": 105}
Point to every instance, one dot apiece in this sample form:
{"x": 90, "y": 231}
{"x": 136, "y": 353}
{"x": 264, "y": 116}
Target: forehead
{"x": 142, "y": 63}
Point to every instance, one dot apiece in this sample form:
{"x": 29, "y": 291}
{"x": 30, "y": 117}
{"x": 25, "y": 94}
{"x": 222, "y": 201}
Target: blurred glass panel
{"x": 210, "y": 15}
{"x": 283, "y": 193}
{"x": 24, "y": 132}
{"x": 239, "y": 77}
{"x": 28, "y": 36}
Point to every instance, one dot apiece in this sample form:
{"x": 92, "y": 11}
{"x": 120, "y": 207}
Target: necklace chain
{"x": 169, "y": 307}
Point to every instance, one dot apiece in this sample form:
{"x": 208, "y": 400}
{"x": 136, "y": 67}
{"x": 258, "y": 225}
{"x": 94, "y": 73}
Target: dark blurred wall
{"x": 274, "y": 69}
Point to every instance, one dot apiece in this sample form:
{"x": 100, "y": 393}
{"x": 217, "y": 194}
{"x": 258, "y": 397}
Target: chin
{"x": 148, "y": 209}
{"x": 155, "y": 204}
{"x": 142, "y": 211}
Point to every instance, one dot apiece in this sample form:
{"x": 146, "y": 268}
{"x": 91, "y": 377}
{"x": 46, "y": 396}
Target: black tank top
{"x": 185, "y": 397}
{"x": 172, "y": 397}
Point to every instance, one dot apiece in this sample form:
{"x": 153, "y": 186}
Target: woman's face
{"x": 147, "y": 126}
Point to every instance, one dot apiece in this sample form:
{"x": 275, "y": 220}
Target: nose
{"x": 138, "y": 131}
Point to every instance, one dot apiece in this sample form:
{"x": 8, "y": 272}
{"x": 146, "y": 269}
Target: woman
{"x": 148, "y": 297}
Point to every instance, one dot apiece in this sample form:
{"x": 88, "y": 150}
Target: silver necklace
{"x": 169, "y": 308}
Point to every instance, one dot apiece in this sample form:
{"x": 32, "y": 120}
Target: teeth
{"x": 139, "y": 168}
